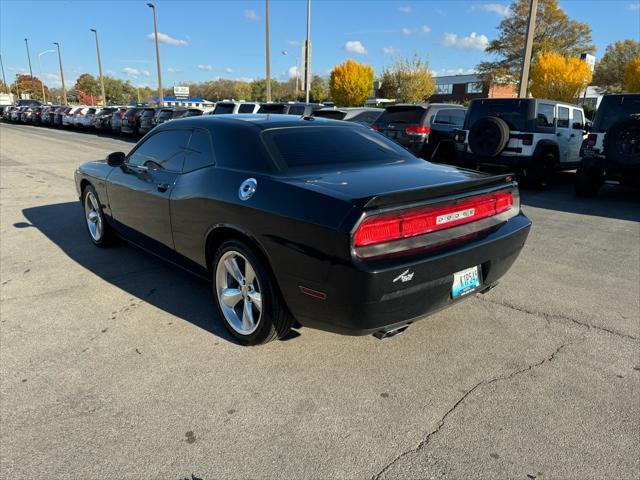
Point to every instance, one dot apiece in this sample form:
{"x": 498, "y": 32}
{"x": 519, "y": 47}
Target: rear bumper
{"x": 362, "y": 299}
{"x": 511, "y": 161}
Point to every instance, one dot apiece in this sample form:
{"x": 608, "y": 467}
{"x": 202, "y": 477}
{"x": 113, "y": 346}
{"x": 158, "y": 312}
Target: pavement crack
{"x": 425, "y": 441}
{"x": 554, "y": 317}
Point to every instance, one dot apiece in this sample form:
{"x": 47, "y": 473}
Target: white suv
{"x": 532, "y": 136}
{"x": 232, "y": 106}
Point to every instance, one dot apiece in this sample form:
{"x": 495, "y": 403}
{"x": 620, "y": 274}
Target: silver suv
{"x": 531, "y": 136}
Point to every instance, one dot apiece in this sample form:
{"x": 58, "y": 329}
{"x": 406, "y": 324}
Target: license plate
{"x": 465, "y": 281}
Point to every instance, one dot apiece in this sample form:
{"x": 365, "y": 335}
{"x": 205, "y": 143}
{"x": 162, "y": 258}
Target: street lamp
{"x": 104, "y": 98}
{"x": 3, "y": 79}
{"x": 307, "y": 55}
{"x": 155, "y": 33}
{"x": 33, "y": 83}
{"x": 44, "y": 98}
{"x": 64, "y": 91}
{"x": 268, "y": 54}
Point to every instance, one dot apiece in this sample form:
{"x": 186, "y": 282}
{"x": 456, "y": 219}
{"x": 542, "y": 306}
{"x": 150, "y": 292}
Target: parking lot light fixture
{"x": 33, "y": 83}
{"x": 155, "y": 33}
{"x": 64, "y": 91}
{"x": 104, "y": 98}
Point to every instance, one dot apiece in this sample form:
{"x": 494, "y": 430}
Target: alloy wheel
{"x": 93, "y": 216}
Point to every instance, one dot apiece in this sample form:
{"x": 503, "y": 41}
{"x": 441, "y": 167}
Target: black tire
{"x": 274, "y": 321}
{"x": 488, "y": 136}
{"x": 538, "y": 175}
{"x": 106, "y": 237}
{"x": 589, "y": 177}
{"x": 622, "y": 142}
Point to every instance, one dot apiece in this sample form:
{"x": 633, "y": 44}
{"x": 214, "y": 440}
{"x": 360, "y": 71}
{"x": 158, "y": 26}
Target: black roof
{"x": 262, "y": 121}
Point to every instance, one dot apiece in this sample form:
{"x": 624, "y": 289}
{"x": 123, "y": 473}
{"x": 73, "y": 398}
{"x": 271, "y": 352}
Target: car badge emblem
{"x": 404, "y": 276}
{"x": 247, "y": 189}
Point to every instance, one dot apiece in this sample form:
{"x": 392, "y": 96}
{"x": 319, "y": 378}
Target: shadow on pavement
{"x": 613, "y": 201}
{"x": 140, "y": 274}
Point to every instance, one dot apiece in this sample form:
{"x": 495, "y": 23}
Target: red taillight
{"x": 417, "y": 130}
{"x": 375, "y": 127}
{"x": 592, "y": 140}
{"x": 121, "y": 114}
{"x": 527, "y": 139}
{"x": 38, "y": 113}
{"x": 131, "y": 118}
{"x": 419, "y": 221}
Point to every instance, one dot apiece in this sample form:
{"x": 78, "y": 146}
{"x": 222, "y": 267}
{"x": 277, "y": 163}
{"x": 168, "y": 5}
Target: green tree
{"x": 555, "y": 32}
{"x": 87, "y": 84}
{"x": 318, "y": 90}
{"x": 241, "y": 91}
{"x": 259, "y": 90}
{"x": 609, "y": 71}
{"x": 118, "y": 92}
{"x": 351, "y": 83}
{"x": 408, "y": 80}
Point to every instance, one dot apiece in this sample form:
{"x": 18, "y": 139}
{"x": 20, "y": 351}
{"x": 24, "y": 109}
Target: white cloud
{"x": 228, "y": 70}
{"x": 499, "y": 9}
{"x": 205, "y": 68}
{"x": 389, "y": 50}
{"x": 355, "y": 46}
{"x": 146, "y": 73}
{"x": 172, "y": 70}
{"x": 453, "y": 71}
{"x": 293, "y": 71}
{"x": 164, "y": 38}
{"x": 131, "y": 72}
{"x": 407, "y": 31}
{"x": 251, "y": 15}
{"x": 441, "y": 12}
{"x": 634, "y": 7}
{"x": 52, "y": 79}
{"x": 293, "y": 42}
{"x": 404, "y": 9}
{"x": 472, "y": 41}
{"x": 425, "y": 29}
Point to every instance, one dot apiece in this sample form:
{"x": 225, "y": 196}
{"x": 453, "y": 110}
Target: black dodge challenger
{"x": 306, "y": 221}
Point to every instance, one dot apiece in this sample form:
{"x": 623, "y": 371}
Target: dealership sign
{"x": 181, "y": 92}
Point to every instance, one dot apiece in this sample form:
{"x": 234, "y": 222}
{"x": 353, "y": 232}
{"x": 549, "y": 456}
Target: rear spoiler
{"x": 434, "y": 191}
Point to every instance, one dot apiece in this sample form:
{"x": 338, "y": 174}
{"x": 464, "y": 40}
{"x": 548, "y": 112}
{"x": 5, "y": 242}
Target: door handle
{"x": 163, "y": 187}
{"x": 573, "y": 135}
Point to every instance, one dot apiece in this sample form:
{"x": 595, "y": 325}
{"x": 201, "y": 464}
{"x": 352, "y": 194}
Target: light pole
{"x": 155, "y": 33}
{"x": 33, "y": 83}
{"x": 268, "y": 56}
{"x": 64, "y": 91}
{"x": 528, "y": 46}
{"x": 44, "y": 98}
{"x": 307, "y": 54}
{"x": 104, "y": 98}
{"x": 3, "y": 79}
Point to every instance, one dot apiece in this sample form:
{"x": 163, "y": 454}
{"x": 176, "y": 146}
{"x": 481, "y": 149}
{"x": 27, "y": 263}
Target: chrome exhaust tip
{"x": 390, "y": 332}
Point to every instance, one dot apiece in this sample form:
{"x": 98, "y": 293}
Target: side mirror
{"x": 116, "y": 159}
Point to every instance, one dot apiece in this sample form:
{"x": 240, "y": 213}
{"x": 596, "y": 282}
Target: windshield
{"x": 512, "y": 112}
{"x": 223, "y": 108}
{"x": 615, "y": 108}
{"x": 271, "y": 108}
{"x": 334, "y": 114}
{"x": 316, "y": 146}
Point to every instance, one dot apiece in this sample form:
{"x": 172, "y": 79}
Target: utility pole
{"x": 44, "y": 98}
{"x": 526, "y": 61}
{"x": 64, "y": 91}
{"x": 3, "y": 79}
{"x": 155, "y": 32}
{"x": 104, "y": 98}
{"x": 33, "y": 83}
{"x": 268, "y": 53}
{"x": 307, "y": 55}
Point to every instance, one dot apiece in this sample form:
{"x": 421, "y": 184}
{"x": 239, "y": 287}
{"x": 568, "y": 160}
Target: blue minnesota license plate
{"x": 465, "y": 281}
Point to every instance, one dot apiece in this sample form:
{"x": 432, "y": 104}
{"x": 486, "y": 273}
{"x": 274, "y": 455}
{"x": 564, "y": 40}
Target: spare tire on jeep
{"x": 488, "y": 136}
{"x": 622, "y": 142}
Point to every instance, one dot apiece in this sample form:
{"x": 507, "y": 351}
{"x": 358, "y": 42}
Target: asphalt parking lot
{"x": 114, "y": 365}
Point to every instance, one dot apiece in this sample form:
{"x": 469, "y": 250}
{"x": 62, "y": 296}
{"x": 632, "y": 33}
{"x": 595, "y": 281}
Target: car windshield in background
{"x": 316, "y": 146}
{"x": 223, "y": 108}
{"x": 512, "y": 112}
{"x": 615, "y": 108}
{"x": 148, "y": 113}
{"x": 450, "y": 116}
{"x": 246, "y": 108}
{"x": 164, "y": 114}
{"x": 271, "y": 108}
{"x": 402, "y": 114}
{"x": 334, "y": 114}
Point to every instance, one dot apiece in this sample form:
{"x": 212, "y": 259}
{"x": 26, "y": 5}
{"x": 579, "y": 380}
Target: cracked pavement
{"x": 113, "y": 364}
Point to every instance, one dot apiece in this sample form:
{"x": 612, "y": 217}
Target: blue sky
{"x": 203, "y": 40}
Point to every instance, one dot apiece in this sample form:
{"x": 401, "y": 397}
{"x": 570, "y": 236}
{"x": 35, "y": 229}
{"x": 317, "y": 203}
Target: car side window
{"x": 246, "y": 108}
{"x": 296, "y": 110}
{"x": 545, "y": 115}
{"x": 563, "y": 117}
{"x": 452, "y": 116}
{"x": 578, "y": 119}
{"x": 199, "y": 153}
{"x": 162, "y": 151}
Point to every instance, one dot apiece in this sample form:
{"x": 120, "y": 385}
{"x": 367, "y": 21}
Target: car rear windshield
{"x": 165, "y": 114}
{"x": 334, "y": 114}
{"x": 131, "y": 111}
{"x": 246, "y": 108}
{"x": 148, "y": 113}
{"x": 512, "y": 112}
{"x": 615, "y": 108}
{"x": 317, "y": 146}
{"x": 273, "y": 108}
{"x": 223, "y": 108}
{"x": 402, "y": 114}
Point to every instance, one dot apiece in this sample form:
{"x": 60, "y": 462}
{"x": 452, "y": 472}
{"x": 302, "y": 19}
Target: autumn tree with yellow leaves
{"x": 351, "y": 83}
{"x": 632, "y": 76}
{"x": 555, "y": 77}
